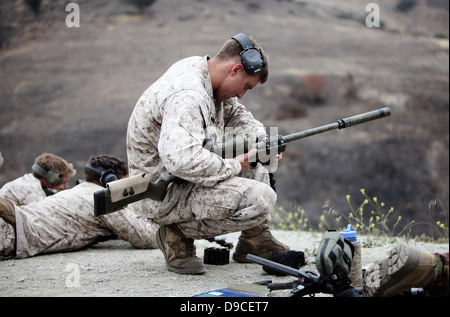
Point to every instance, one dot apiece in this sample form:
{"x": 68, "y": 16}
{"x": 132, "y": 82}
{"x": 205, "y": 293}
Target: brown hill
{"x": 70, "y": 91}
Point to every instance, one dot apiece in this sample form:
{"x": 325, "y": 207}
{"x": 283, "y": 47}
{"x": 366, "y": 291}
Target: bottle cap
{"x": 349, "y": 234}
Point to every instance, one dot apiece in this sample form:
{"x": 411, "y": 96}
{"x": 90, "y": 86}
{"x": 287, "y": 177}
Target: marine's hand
{"x": 244, "y": 159}
{"x": 278, "y": 158}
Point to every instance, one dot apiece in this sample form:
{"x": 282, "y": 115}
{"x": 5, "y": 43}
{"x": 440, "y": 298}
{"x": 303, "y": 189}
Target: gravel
{"x": 115, "y": 269}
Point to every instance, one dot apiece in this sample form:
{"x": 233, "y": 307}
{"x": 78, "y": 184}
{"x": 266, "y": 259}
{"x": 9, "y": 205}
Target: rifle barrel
{"x": 340, "y": 124}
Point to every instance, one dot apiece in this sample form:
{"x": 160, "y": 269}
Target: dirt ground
{"x": 115, "y": 269}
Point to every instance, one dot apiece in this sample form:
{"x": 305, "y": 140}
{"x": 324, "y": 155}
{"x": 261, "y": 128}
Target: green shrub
{"x": 371, "y": 218}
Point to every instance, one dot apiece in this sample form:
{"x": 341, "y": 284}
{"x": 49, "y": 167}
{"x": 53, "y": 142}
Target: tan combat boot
{"x": 257, "y": 241}
{"x": 178, "y": 250}
{"x": 406, "y": 267}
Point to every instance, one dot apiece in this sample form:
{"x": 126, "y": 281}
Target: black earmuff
{"x": 53, "y": 178}
{"x": 106, "y": 176}
{"x": 251, "y": 58}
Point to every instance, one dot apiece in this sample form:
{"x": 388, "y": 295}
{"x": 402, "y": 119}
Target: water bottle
{"x": 356, "y": 269}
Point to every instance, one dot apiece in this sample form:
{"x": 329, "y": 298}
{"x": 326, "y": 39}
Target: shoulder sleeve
{"x": 23, "y": 191}
{"x": 242, "y": 120}
{"x": 181, "y": 142}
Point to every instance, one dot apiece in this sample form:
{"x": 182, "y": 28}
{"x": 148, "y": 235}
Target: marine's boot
{"x": 178, "y": 250}
{"x": 257, "y": 241}
{"x": 406, "y": 267}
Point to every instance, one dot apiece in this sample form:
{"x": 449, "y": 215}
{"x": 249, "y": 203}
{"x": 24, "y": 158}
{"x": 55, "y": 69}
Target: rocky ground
{"x": 114, "y": 269}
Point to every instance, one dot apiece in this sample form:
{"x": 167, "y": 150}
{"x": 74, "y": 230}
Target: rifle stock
{"x": 122, "y": 192}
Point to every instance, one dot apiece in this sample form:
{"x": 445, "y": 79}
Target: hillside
{"x": 70, "y": 91}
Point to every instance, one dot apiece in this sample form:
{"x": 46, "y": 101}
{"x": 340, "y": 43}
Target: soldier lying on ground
{"x": 65, "y": 221}
{"x": 405, "y": 267}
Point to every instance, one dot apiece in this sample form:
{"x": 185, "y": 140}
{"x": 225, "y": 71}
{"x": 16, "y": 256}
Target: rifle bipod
{"x": 307, "y": 282}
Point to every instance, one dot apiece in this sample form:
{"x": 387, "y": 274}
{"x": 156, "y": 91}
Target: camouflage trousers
{"x": 233, "y": 205}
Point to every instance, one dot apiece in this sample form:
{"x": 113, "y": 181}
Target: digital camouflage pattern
{"x": 166, "y": 132}
{"x": 23, "y": 190}
{"x": 65, "y": 221}
{"x": 7, "y": 239}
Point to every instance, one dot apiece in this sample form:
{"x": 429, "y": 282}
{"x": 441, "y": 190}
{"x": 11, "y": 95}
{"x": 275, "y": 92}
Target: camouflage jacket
{"x": 170, "y": 122}
{"x": 23, "y": 190}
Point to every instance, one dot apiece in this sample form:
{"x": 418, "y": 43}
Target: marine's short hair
{"x": 120, "y": 167}
{"x": 231, "y": 50}
{"x": 52, "y": 162}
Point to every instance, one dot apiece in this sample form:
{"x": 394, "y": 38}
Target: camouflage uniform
{"x": 23, "y": 190}
{"x": 166, "y": 132}
{"x": 7, "y": 239}
{"x": 65, "y": 221}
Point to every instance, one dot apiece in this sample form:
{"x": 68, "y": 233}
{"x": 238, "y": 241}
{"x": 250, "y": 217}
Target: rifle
{"x": 307, "y": 283}
{"x": 120, "y": 193}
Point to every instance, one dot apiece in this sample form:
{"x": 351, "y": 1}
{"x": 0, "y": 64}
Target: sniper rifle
{"x": 122, "y": 192}
{"x": 308, "y": 282}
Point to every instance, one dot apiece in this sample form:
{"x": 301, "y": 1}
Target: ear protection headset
{"x": 53, "y": 178}
{"x": 251, "y": 58}
{"x": 106, "y": 176}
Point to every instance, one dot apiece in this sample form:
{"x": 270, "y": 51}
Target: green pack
{"x": 334, "y": 256}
